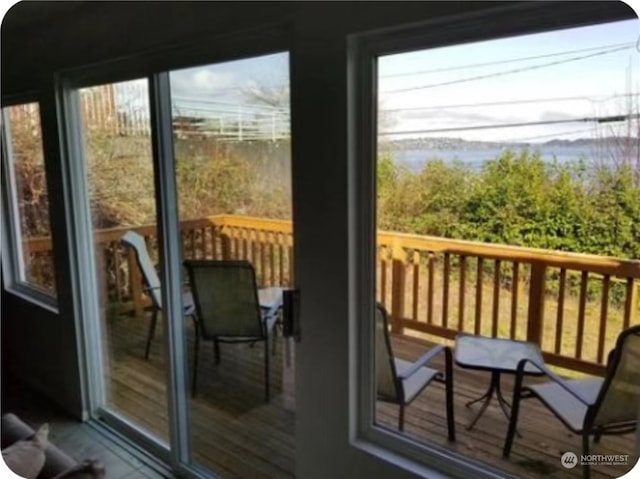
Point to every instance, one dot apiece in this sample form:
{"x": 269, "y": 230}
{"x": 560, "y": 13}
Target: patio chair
{"x": 587, "y": 407}
{"x": 152, "y": 284}
{"x": 400, "y": 382}
{"x": 228, "y": 308}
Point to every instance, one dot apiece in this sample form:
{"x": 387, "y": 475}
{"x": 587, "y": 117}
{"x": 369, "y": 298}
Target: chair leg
{"x": 451, "y": 425}
{"x": 585, "y": 451}
{"x": 513, "y": 419}
{"x": 597, "y": 436}
{"x": 196, "y": 350}
{"x": 401, "y": 418}
{"x": 266, "y": 370}
{"x": 152, "y": 331}
{"x": 274, "y": 337}
{"x": 216, "y": 350}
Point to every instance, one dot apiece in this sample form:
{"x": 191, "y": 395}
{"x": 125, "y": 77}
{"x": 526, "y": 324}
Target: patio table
{"x": 497, "y": 356}
{"x": 271, "y": 302}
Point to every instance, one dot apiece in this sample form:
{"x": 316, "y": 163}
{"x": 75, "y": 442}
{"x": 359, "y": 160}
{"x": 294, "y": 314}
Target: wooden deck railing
{"x": 573, "y": 305}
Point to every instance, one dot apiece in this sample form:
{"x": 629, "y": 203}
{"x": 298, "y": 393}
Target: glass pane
{"x": 509, "y": 162}
{"x": 118, "y": 155}
{"x": 30, "y": 196}
{"x": 233, "y": 171}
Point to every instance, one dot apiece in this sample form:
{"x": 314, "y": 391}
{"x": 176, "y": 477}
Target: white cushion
{"x": 564, "y": 404}
{"x": 415, "y": 383}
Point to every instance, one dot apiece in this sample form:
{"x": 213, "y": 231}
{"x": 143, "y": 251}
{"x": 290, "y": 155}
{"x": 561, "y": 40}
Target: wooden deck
{"x": 237, "y": 434}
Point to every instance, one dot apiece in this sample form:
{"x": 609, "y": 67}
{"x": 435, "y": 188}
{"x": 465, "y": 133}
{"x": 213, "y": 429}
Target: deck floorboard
{"x": 237, "y": 434}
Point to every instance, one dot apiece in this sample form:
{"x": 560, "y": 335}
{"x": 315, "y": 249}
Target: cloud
{"x": 203, "y": 81}
{"x": 551, "y": 115}
{"x": 464, "y": 117}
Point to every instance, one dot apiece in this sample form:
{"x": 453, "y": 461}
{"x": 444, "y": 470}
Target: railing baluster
{"x": 192, "y": 236}
{"x": 245, "y": 246}
{"x": 397, "y": 295}
{"x": 117, "y": 259}
{"x": 416, "y": 284}
{"x": 225, "y": 245}
{"x": 496, "y": 299}
{"x": 272, "y": 261}
{"x": 236, "y": 250}
{"x": 383, "y": 276}
{"x": 292, "y": 270}
{"x": 462, "y": 292}
{"x": 477, "y": 326}
{"x": 281, "y": 258}
{"x": 135, "y": 283}
{"x": 214, "y": 249}
{"x": 445, "y": 290}
{"x": 560, "y": 317}
{"x": 263, "y": 258}
{"x": 430, "y": 287}
{"x": 629, "y": 303}
{"x": 604, "y": 307}
{"x": 581, "y": 313}
{"x": 515, "y": 290}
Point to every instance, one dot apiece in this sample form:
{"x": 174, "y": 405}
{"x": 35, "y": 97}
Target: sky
{"x": 410, "y": 101}
{"x": 574, "y": 73}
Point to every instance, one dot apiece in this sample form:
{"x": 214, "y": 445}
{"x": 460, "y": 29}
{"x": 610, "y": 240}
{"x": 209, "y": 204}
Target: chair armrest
{"x": 553, "y": 376}
{"x": 423, "y": 360}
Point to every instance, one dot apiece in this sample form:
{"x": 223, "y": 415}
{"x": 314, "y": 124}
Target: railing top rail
{"x": 561, "y": 259}
{"x": 252, "y": 222}
{"x": 572, "y": 261}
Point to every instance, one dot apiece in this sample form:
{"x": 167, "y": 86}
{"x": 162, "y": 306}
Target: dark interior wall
{"x": 39, "y": 349}
{"x": 81, "y": 33}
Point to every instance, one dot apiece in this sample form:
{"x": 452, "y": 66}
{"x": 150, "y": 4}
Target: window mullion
{"x": 169, "y": 242}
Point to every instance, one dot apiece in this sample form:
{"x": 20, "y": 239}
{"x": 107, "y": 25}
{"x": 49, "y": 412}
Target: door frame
{"x": 157, "y": 66}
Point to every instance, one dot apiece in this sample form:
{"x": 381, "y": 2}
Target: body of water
{"x": 415, "y": 159}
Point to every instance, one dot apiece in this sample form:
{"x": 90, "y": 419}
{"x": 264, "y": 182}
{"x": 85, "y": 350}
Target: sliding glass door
{"x": 231, "y": 138}
{"x": 190, "y": 165}
{"x": 114, "y": 123}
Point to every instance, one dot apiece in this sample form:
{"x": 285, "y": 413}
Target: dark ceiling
{"x": 31, "y": 14}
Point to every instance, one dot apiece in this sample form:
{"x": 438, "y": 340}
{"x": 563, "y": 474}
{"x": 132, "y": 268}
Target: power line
{"x": 501, "y": 62}
{"x": 507, "y": 72}
{"x": 596, "y": 119}
{"x": 511, "y": 102}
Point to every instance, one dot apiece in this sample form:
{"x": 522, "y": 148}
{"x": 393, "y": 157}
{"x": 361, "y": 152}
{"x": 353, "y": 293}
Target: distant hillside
{"x": 444, "y": 143}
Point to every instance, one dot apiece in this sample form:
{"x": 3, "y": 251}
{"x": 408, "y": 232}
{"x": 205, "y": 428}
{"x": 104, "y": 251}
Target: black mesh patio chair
{"x": 400, "y": 382}
{"x": 152, "y": 284}
{"x": 587, "y": 407}
{"x": 228, "y": 308}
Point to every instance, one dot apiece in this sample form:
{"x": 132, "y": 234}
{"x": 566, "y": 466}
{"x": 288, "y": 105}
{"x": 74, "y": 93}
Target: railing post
{"x": 135, "y": 283}
{"x": 536, "y": 303}
{"x": 397, "y": 288}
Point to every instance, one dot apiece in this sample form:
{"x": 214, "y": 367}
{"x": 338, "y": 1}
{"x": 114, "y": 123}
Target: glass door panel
{"x": 115, "y": 120}
{"x": 233, "y": 175}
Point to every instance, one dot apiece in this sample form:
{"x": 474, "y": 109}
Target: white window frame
{"x": 155, "y": 67}
{"x": 364, "y": 49}
{"x": 13, "y": 266}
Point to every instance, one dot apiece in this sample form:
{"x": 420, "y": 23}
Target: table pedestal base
{"x": 494, "y": 387}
